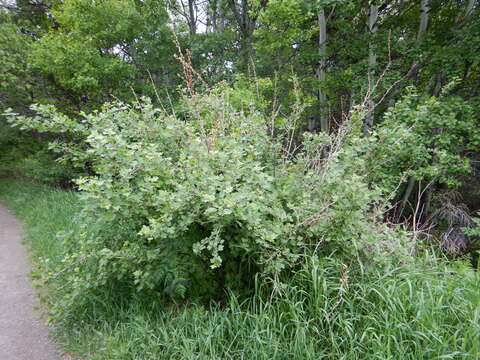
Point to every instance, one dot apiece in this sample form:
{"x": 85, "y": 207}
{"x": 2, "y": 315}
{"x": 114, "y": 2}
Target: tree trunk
{"x": 428, "y": 202}
{"x": 406, "y": 195}
{"x": 192, "y": 23}
{"x": 372, "y": 27}
{"x": 468, "y": 14}
{"x": 321, "y": 70}
{"x": 221, "y": 22}
{"x": 424, "y": 17}
{"x": 470, "y": 6}
{"x": 213, "y": 11}
{"x": 246, "y": 23}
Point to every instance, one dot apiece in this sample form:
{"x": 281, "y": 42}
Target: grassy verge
{"x": 419, "y": 313}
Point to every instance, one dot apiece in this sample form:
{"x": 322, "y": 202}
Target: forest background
{"x": 288, "y": 160}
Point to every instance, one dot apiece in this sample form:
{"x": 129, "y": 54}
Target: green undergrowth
{"x": 325, "y": 311}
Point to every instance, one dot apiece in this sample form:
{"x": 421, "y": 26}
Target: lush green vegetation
{"x": 426, "y": 311}
{"x": 248, "y": 178}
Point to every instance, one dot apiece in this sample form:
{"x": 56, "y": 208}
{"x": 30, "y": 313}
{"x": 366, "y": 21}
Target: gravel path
{"x": 23, "y": 336}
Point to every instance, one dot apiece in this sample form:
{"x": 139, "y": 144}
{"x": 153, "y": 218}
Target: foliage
{"x": 43, "y": 166}
{"x": 190, "y": 194}
{"x": 15, "y": 77}
{"x": 321, "y": 314}
{"x": 78, "y": 66}
{"x": 428, "y": 139}
{"x": 474, "y": 241}
{"x": 325, "y": 310}
{"x": 206, "y": 202}
{"x": 24, "y": 155}
{"x": 78, "y": 54}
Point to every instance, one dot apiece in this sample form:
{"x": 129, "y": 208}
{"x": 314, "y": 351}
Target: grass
{"x": 423, "y": 312}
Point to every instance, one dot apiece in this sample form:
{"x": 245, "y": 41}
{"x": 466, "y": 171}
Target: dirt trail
{"x": 23, "y": 336}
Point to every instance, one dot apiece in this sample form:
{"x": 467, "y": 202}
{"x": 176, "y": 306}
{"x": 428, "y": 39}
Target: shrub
{"x": 428, "y": 139}
{"x": 209, "y": 201}
{"x": 26, "y": 155}
{"x": 326, "y": 309}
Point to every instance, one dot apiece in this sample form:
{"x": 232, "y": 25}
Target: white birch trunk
{"x": 321, "y": 70}
{"x": 372, "y": 27}
{"x": 462, "y": 18}
{"x": 424, "y": 17}
{"x": 470, "y": 6}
